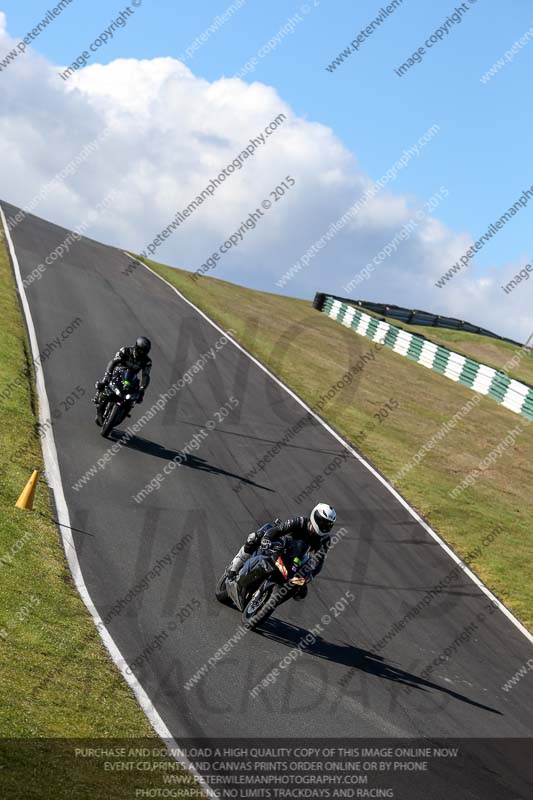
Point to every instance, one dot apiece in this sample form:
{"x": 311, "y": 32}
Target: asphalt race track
{"x": 343, "y": 685}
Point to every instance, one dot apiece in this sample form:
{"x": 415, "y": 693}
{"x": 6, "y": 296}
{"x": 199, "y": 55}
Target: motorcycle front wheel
{"x": 261, "y": 605}
{"x": 112, "y": 419}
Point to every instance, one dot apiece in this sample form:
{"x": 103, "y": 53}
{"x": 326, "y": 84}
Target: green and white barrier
{"x": 515, "y": 396}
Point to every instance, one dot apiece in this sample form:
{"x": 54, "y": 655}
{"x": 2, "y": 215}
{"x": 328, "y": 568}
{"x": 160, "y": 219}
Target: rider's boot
{"x": 97, "y": 400}
{"x": 238, "y": 563}
{"x": 99, "y": 385}
{"x": 98, "y": 403}
{"x": 99, "y": 418}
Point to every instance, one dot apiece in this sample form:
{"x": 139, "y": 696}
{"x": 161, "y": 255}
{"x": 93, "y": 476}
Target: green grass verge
{"x": 57, "y": 678}
{"x": 492, "y": 352}
{"x": 310, "y": 353}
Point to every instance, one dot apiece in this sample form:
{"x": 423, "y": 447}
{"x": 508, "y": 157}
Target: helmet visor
{"x": 323, "y": 525}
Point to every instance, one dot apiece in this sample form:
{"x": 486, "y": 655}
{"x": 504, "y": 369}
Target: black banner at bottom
{"x": 405, "y": 769}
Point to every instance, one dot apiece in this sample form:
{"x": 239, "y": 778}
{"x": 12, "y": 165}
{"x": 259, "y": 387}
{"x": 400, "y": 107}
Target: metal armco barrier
{"x": 413, "y": 316}
{"x": 515, "y": 396}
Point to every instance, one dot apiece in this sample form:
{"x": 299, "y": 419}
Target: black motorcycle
{"x": 118, "y": 398}
{"x": 268, "y": 579}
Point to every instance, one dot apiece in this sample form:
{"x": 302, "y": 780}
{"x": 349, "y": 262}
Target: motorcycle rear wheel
{"x": 221, "y": 591}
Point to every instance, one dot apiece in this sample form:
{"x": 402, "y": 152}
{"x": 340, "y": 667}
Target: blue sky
{"x": 483, "y": 152}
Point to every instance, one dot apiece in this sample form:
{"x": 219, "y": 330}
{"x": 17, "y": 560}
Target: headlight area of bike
{"x": 296, "y": 580}
{"x": 119, "y": 390}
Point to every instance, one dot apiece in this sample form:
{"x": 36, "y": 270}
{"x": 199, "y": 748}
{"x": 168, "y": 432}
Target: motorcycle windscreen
{"x": 128, "y": 380}
{"x": 297, "y": 548}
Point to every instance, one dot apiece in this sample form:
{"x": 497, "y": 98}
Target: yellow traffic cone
{"x": 25, "y": 500}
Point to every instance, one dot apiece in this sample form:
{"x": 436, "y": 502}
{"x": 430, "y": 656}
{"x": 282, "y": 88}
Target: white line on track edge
{"x": 356, "y": 455}
{"x": 54, "y": 480}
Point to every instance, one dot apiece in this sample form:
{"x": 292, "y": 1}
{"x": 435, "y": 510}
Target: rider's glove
{"x": 270, "y": 547}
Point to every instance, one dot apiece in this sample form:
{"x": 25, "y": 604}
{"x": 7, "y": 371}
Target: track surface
{"x": 341, "y": 687}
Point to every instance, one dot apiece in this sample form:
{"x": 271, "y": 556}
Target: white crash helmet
{"x": 323, "y": 518}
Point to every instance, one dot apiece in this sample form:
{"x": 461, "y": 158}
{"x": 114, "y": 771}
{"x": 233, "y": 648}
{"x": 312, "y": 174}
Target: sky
{"x": 175, "y": 116}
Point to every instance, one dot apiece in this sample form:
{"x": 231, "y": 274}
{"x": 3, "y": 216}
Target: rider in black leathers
{"x": 313, "y": 530}
{"x": 135, "y": 358}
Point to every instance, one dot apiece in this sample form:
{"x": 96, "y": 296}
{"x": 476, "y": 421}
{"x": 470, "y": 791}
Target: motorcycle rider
{"x": 135, "y": 358}
{"x": 313, "y": 530}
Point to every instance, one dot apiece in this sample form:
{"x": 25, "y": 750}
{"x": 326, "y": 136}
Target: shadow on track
{"x": 267, "y": 441}
{"x": 404, "y": 607}
{"x": 358, "y": 659}
{"x": 159, "y": 451}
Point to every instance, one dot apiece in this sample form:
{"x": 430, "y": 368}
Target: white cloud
{"x": 172, "y": 132}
